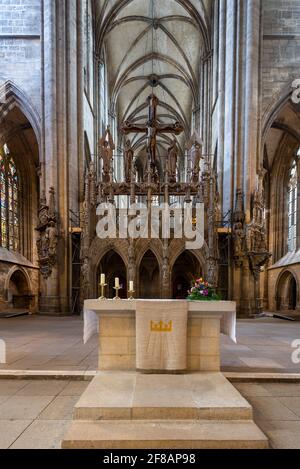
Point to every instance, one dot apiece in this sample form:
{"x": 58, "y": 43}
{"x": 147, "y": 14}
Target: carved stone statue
{"x": 43, "y": 210}
{"x": 212, "y": 272}
{"x": 172, "y": 160}
{"x": 48, "y": 234}
{"x": 106, "y": 147}
{"x": 52, "y": 235}
{"x": 259, "y": 200}
{"x": 257, "y": 239}
{"x": 85, "y": 282}
{"x": 195, "y": 149}
{"x": 52, "y": 203}
{"x": 218, "y": 211}
{"x": 238, "y": 231}
{"x": 128, "y": 160}
{"x": 43, "y": 246}
{"x": 238, "y": 237}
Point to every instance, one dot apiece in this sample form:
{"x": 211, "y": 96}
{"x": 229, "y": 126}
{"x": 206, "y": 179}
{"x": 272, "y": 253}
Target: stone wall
{"x": 20, "y": 51}
{"x": 280, "y": 52}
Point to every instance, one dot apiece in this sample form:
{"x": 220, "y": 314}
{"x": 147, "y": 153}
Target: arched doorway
{"x": 292, "y": 294}
{"x": 287, "y": 292}
{"x": 185, "y": 270}
{"x": 112, "y": 265}
{"x": 18, "y": 291}
{"x": 149, "y": 285}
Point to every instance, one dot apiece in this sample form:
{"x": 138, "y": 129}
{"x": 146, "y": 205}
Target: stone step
{"x": 132, "y": 396}
{"x": 151, "y": 434}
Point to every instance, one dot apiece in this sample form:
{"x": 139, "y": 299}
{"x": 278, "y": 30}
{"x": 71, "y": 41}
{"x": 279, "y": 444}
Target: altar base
{"x": 127, "y": 410}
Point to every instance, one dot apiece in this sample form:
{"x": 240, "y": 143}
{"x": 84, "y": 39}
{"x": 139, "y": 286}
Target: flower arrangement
{"x": 203, "y": 291}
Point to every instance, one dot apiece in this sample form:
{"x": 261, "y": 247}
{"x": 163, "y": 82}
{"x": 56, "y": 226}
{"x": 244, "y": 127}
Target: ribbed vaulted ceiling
{"x": 155, "y": 43}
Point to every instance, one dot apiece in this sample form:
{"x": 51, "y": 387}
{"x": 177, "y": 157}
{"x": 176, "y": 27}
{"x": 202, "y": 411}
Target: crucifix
{"x": 152, "y": 128}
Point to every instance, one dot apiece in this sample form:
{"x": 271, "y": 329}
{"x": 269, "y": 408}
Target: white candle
{"x": 102, "y": 279}
{"x": 131, "y": 285}
{"x": 117, "y": 282}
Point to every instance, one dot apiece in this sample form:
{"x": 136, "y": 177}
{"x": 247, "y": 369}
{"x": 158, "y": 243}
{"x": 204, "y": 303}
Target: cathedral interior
{"x": 127, "y": 101}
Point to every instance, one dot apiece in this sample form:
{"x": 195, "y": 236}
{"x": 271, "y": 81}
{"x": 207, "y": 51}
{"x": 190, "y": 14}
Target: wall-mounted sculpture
{"x": 48, "y": 234}
{"x": 256, "y": 230}
{"x": 238, "y": 230}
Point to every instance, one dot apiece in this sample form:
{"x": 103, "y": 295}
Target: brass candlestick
{"x": 102, "y": 286}
{"x": 117, "y": 293}
{"x": 130, "y": 293}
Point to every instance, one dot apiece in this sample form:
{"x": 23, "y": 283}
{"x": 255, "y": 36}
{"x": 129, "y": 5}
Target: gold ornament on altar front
{"x": 161, "y": 326}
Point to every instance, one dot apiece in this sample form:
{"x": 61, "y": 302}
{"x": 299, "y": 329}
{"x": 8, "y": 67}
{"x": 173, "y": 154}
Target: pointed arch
{"x": 287, "y": 297}
{"x": 10, "y": 96}
{"x": 12, "y": 271}
{"x": 149, "y": 282}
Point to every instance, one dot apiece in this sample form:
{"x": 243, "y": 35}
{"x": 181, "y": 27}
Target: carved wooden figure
{"x": 106, "y": 148}
{"x": 152, "y": 128}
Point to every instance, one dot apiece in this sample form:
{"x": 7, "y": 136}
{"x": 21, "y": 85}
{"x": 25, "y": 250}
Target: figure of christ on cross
{"x": 152, "y": 128}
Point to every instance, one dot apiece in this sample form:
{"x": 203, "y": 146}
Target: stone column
{"x": 221, "y": 95}
{"x": 251, "y": 113}
{"x": 229, "y": 106}
{"x": 60, "y": 168}
{"x": 251, "y": 136}
{"x": 49, "y": 287}
{"x": 238, "y": 160}
{"x": 74, "y": 79}
{"x": 49, "y": 98}
{"x": 298, "y": 206}
{"x": 206, "y": 121}
{"x": 131, "y": 270}
{"x": 238, "y": 122}
{"x": 80, "y": 94}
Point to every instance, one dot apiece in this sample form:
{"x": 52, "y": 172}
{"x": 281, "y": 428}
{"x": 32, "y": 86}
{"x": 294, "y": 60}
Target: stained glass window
{"x": 9, "y": 201}
{"x": 292, "y": 207}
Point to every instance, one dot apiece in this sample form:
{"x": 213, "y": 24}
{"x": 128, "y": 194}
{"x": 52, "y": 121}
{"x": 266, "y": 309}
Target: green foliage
{"x": 203, "y": 291}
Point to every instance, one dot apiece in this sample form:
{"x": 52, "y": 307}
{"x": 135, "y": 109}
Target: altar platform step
{"x": 186, "y": 434}
{"x": 131, "y": 410}
{"x": 133, "y": 396}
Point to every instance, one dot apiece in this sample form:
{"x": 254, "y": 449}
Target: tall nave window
{"x": 9, "y": 201}
{"x": 292, "y": 206}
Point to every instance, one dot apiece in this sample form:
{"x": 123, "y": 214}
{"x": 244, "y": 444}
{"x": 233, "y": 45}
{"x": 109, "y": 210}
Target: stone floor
{"x": 276, "y": 411}
{"x": 36, "y": 413}
{"x": 48, "y": 343}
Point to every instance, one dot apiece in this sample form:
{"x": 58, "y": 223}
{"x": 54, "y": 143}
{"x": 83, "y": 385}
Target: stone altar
{"x": 117, "y": 332}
